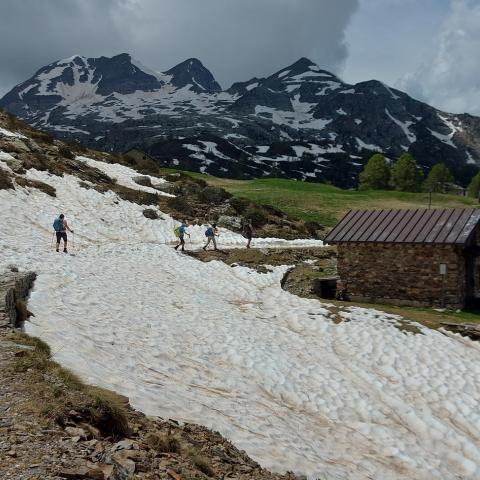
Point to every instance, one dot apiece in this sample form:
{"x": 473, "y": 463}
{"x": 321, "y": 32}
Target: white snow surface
{"x": 228, "y": 348}
{"x": 361, "y": 145}
{"x": 124, "y": 175}
{"x": 7, "y": 133}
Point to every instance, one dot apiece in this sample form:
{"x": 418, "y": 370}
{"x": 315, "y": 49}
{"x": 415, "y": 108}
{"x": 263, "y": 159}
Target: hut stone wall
{"x": 402, "y": 274}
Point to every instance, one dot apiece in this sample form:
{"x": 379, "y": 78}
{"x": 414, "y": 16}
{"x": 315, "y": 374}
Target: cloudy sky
{"x": 428, "y": 48}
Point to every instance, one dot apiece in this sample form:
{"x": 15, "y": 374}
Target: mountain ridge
{"x": 300, "y": 122}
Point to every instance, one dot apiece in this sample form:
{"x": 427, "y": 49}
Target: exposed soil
{"x": 307, "y": 264}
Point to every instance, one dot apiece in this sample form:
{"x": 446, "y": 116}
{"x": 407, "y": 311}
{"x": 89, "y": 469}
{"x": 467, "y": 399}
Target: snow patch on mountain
{"x": 404, "y": 126}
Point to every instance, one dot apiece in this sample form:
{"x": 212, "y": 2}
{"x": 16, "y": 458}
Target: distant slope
{"x": 327, "y": 204}
{"x": 301, "y": 122}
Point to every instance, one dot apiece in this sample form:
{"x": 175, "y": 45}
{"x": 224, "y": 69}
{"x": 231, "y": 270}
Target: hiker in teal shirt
{"x": 182, "y": 231}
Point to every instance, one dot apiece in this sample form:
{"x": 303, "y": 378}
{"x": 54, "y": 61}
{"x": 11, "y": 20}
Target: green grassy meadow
{"x": 327, "y": 204}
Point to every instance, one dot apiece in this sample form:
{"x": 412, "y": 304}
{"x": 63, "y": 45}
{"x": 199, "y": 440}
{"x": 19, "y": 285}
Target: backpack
{"x": 176, "y": 231}
{"x": 209, "y": 232}
{"x": 58, "y": 225}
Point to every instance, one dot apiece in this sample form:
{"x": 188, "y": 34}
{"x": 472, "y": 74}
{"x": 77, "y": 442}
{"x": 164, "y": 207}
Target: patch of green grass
{"x": 429, "y": 317}
{"x": 323, "y": 203}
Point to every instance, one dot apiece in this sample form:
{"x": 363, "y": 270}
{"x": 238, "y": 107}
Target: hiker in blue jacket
{"x": 211, "y": 233}
{"x": 181, "y": 231}
{"x": 60, "y": 226}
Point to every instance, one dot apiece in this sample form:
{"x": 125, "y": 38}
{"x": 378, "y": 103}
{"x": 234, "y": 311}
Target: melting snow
{"x": 390, "y": 91}
{"x": 228, "y": 348}
{"x": 470, "y": 159}
{"x": 7, "y": 133}
{"x": 367, "y": 146}
{"x": 404, "y": 126}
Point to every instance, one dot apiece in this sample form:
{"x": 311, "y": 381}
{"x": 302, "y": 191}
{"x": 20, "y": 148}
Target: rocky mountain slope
{"x": 301, "y": 122}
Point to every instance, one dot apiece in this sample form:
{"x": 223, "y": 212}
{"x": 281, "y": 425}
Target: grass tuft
{"x": 164, "y": 443}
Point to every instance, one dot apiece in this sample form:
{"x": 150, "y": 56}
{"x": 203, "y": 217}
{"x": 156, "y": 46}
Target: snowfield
{"x": 228, "y": 348}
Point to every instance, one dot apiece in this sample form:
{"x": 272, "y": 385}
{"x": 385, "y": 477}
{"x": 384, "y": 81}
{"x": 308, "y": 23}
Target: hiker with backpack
{"x": 248, "y": 232}
{"x": 60, "y": 226}
{"x": 180, "y": 233}
{"x": 211, "y": 233}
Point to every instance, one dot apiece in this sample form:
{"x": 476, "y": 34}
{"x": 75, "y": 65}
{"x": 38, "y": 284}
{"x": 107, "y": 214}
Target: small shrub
{"x": 5, "y": 180}
{"x": 147, "y": 165}
{"x": 36, "y": 160}
{"x": 312, "y": 227}
{"x": 213, "y": 195}
{"x": 44, "y": 137}
{"x": 256, "y": 216}
{"x": 200, "y": 462}
{"x": 180, "y": 204}
{"x": 239, "y": 204}
{"x": 163, "y": 443}
{"x": 174, "y": 177}
{"x": 150, "y": 213}
{"x": 65, "y": 152}
{"x": 77, "y": 147}
{"x": 271, "y": 210}
{"x": 135, "y": 196}
{"x": 199, "y": 181}
{"x": 107, "y": 413}
{"x": 22, "y": 311}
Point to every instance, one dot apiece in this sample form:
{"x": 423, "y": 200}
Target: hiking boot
{"x": 57, "y": 250}
{"x": 65, "y": 251}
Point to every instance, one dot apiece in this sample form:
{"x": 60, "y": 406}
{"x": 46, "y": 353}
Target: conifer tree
{"x": 406, "y": 176}
{"x": 473, "y": 188}
{"x": 437, "y": 178}
{"x": 375, "y": 174}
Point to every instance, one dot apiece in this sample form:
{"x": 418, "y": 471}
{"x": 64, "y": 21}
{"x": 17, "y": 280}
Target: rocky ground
{"x": 54, "y": 427}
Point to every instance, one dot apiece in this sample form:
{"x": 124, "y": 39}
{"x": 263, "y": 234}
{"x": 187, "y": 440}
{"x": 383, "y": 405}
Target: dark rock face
{"x": 118, "y": 74}
{"x": 192, "y": 72}
{"x": 301, "y": 122}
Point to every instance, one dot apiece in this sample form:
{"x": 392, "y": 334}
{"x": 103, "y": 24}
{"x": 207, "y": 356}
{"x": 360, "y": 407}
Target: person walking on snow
{"x": 211, "y": 233}
{"x": 248, "y": 232}
{"x": 181, "y": 231}
{"x": 60, "y": 226}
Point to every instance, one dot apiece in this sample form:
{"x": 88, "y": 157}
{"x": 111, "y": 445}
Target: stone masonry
{"x": 402, "y": 274}
{"x": 14, "y": 286}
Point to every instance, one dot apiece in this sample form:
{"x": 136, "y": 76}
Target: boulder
{"x": 17, "y": 145}
{"x": 230, "y": 222}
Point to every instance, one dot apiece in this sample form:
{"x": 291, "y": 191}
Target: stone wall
{"x": 13, "y": 286}
{"x": 402, "y": 274}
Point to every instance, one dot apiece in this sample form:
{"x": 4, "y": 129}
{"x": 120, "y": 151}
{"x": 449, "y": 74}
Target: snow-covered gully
{"x": 228, "y": 348}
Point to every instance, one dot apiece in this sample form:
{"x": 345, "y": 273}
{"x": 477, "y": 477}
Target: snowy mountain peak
{"x": 317, "y": 126}
{"x": 192, "y": 74}
{"x": 304, "y": 69}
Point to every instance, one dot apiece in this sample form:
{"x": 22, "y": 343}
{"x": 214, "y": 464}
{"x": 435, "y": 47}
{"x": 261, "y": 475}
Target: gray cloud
{"x": 236, "y": 39}
{"x": 450, "y": 78}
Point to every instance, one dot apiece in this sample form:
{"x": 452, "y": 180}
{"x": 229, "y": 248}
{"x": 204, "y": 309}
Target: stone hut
{"x": 138, "y": 154}
{"x": 421, "y": 257}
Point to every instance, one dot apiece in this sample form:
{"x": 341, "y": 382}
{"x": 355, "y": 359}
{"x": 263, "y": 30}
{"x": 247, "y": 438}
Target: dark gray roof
{"x": 445, "y": 226}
